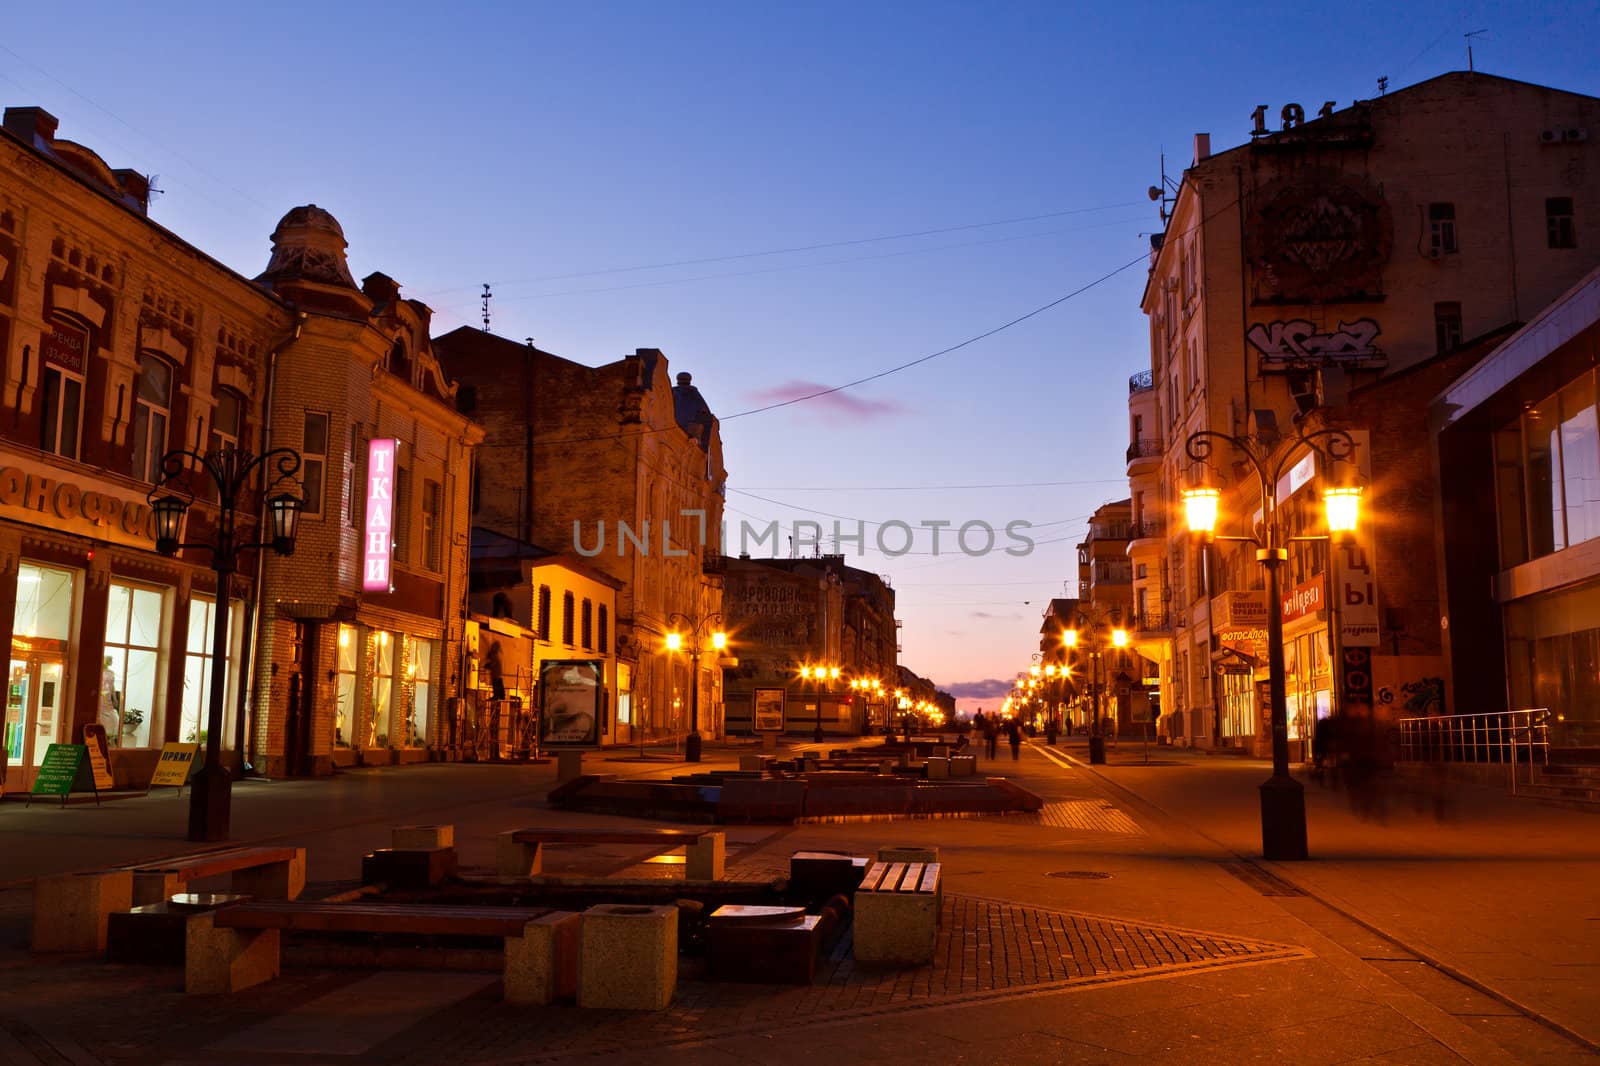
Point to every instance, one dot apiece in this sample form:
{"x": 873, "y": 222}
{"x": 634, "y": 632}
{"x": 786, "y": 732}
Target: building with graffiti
{"x": 1333, "y": 272}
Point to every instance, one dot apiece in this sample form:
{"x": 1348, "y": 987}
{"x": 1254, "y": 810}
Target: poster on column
{"x": 768, "y": 710}
{"x": 1356, "y": 567}
{"x": 569, "y": 700}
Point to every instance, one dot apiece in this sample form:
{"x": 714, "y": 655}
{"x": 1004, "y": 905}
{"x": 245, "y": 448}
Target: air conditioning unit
{"x": 1550, "y": 136}
{"x": 1574, "y": 134}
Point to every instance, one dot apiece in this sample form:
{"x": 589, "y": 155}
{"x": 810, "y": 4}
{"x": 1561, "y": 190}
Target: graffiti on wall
{"x": 1298, "y": 343}
{"x": 1419, "y": 698}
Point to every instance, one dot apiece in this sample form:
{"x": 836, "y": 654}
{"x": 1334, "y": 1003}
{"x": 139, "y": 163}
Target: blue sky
{"x": 551, "y": 149}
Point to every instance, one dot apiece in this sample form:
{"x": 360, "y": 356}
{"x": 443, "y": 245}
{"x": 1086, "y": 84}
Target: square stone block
{"x": 226, "y": 960}
{"x": 422, "y": 837}
{"x": 749, "y": 764}
{"x": 569, "y": 765}
{"x": 898, "y": 928}
{"x": 542, "y": 965}
{"x": 938, "y": 768}
{"x": 513, "y": 860}
{"x": 71, "y": 912}
{"x": 706, "y": 859}
{"x": 963, "y": 765}
{"x": 629, "y": 957}
{"x": 767, "y": 953}
{"x": 278, "y": 880}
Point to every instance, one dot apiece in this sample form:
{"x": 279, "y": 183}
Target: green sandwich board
{"x": 65, "y": 770}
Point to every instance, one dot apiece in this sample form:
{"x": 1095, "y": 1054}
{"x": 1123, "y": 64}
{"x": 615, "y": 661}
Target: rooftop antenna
{"x": 1469, "y": 37}
{"x": 1383, "y": 84}
{"x": 1158, "y": 193}
{"x": 487, "y": 295}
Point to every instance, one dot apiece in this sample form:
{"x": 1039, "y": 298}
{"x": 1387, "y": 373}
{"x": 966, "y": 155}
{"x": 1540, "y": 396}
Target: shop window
{"x": 604, "y": 646}
{"x": 1546, "y": 530}
{"x": 432, "y": 531}
{"x": 1558, "y": 222}
{"x": 131, "y": 667}
{"x": 36, "y": 713}
{"x": 1442, "y": 229}
{"x": 313, "y": 463}
{"x": 542, "y": 621}
{"x": 1446, "y": 327}
{"x": 382, "y": 690}
{"x": 345, "y": 688}
{"x": 1580, "y": 461}
{"x": 420, "y": 669}
{"x": 197, "y": 666}
{"x": 152, "y": 410}
{"x": 586, "y": 624}
{"x": 62, "y": 353}
{"x": 566, "y": 618}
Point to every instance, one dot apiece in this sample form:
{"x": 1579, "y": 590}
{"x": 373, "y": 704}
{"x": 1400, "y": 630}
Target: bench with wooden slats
{"x": 519, "y": 852}
{"x": 269, "y": 872}
{"x": 897, "y": 913}
{"x": 237, "y": 946}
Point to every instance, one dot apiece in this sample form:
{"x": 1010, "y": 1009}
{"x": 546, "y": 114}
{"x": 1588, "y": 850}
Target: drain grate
{"x": 1263, "y": 881}
{"x": 1080, "y": 875}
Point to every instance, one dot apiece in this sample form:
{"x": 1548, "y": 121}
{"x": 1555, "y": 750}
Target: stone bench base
{"x": 628, "y": 957}
{"x": 71, "y": 912}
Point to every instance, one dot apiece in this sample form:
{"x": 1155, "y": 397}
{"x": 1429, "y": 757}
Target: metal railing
{"x": 1151, "y": 621}
{"x": 1145, "y": 448}
{"x": 1148, "y": 529}
{"x": 1144, "y": 379}
{"x": 1494, "y": 737}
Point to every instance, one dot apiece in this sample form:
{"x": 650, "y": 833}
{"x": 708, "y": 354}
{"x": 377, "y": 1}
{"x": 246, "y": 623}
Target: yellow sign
{"x": 175, "y": 764}
{"x": 94, "y": 738}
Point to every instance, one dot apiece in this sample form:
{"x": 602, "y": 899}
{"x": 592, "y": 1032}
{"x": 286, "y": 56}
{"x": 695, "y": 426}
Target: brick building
{"x": 1295, "y": 272}
{"x": 624, "y": 469}
{"x": 785, "y": 614}
{"x": 119, "y": 341}
{"x": 361, "y": 646}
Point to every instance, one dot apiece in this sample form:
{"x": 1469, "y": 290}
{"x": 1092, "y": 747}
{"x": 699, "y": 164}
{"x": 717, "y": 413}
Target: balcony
{"x": 1144, "y": 455}
{"x": 1152, "y": 623}
{"x": 1149, "y": 536}
{"x": 1144, "y": 379}
{"x": 1110, "y": 530}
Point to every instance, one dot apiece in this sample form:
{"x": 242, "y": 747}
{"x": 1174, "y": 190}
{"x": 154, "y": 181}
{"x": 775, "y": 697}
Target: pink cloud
{"x": 837, "y": 405}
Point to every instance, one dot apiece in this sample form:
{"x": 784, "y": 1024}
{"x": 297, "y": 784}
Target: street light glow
{"x": 1200, "y": 508}
{"x": 674, "y": 641}
{"x": 1119, "y": 638}
{"x": 719, "y": 640}
{"x": 1343, "y": 504}
{"x": 1070, "y": 638}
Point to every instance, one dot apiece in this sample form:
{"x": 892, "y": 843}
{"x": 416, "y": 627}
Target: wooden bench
{"x": 237, "y": 946}
{"x": 518, "y": 852}
{"x": 263, "y": 872}
{"x": 897, "y": 913}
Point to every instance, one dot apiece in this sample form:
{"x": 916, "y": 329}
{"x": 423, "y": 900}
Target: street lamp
{"x": 1095, "y": 629}
{"x": 821, "y": 675}
{"x": 719, "y": 642}
{"x": 1283, "y": 802}
{"x": 231, "y": 471}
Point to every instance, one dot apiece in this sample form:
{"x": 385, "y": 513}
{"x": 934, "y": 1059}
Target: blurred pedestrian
{"x": 991, "y": 737}
{"x": 1014, "y": 737}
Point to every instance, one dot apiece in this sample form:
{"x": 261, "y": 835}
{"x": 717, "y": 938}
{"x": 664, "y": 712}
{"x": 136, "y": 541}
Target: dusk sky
{"x": 781, "y": 198}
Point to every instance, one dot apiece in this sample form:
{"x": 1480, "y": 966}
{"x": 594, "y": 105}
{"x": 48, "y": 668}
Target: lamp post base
{"x": 816, "y": 737}
{"x": 210, "y": 802}
{"x": 691, "y": 748}
{"x": 1097, "y": 750}
{"x": 1283, "y": 819}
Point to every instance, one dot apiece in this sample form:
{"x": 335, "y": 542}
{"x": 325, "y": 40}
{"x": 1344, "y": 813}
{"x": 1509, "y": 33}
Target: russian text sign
{"x": 377, "y": 542}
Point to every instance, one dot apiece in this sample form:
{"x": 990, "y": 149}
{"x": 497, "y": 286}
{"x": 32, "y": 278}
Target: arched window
{"x": 605, "y": 631}
{"x": 541, "y": 622}
{"x": 566, "y": 618}
{"x": 152, "y": 408}
{"x": 400, "y": 361}
{"x": 586, "y": 620}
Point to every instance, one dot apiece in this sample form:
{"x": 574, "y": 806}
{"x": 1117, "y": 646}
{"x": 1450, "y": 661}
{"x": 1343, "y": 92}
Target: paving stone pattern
{"x": 1097, "y": 815}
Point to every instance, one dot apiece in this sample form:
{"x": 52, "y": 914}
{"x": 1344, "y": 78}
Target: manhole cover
{"x": 1080, "y": 875}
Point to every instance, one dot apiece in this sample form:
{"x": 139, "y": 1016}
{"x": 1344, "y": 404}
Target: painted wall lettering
{"x": 1298, "y": 342}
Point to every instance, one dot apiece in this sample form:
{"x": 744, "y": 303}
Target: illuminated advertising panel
{"x": 377, "y": 550}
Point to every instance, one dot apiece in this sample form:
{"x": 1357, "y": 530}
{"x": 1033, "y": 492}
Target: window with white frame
{"x": 314, "y": 463}
{"x": 133, "y": 663}
{"x": 382, "y": 690}
{"x": 152, "y": 410}
{"x": 63, "y": 351}
{"x": 197, "y": 667}
{"x": 344, "y": 710}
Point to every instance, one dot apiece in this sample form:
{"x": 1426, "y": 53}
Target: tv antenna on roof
{"x": 487, "y": 295}
{"x": 1469, "y": 37}
{"x": 1159, "y": 192}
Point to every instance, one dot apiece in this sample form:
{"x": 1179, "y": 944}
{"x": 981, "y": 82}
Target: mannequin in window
{"x": 110, "y": 705}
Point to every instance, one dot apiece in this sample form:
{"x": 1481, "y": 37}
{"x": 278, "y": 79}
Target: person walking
{"x": 1014, "y": 736}
{"x": 991, "y": 737}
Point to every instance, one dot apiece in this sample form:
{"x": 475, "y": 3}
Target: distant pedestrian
{"x": 991, "y": 737}
{"x": 1014, "y": 737}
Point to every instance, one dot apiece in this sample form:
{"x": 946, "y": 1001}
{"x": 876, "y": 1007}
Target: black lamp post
{"x": 719, "y": 642}
{"x": 230, "y": 470}
{"x": 821, "y": 675}
{"x": 1283, "y": 801}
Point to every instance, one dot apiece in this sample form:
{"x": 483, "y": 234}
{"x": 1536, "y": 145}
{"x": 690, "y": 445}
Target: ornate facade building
{"x": 621, "y": 467}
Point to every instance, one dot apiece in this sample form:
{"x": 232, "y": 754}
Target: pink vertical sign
{"x": 376, "y": 549}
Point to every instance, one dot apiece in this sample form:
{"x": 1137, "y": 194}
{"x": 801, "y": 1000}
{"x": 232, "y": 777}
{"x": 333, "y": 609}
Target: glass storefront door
{"x": 35, "y": 717}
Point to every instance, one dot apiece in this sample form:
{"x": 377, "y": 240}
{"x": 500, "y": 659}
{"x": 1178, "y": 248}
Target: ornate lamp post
{"x": 1283, "y": 802}
{"x": 821, "y": 675}
{"x": 719, "y": 643}
{"x": 231, "y": 471}
{"x": 1096, "y": 630}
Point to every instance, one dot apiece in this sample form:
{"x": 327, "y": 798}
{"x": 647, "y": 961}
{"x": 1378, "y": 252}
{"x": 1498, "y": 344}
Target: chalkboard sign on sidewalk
{"x": 65, "y": 770}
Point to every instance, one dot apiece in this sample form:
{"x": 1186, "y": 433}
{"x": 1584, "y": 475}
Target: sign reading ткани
{"x": 377, "y": 549}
